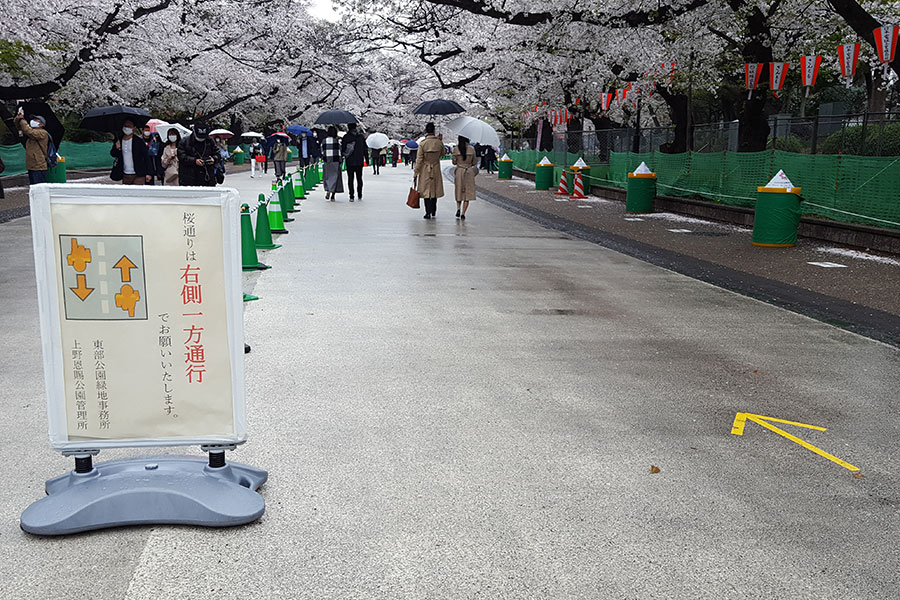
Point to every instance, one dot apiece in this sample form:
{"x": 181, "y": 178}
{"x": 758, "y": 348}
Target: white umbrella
{"x": 163, "y": 129}
{"x": 252, "y": 134}
{"x": 396, "y": 143}
{"x": 221, "y": 133}
{"x": 476, "y": 130}
{"x": 377, "y": 140}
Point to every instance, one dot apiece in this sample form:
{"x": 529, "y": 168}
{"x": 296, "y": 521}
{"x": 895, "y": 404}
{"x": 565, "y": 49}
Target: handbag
{"x": 412, "y": 200}
{"x": 475, "y": 171}
{"x": 118, "y": 172}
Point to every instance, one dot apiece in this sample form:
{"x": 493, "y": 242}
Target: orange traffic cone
{"x": 563, "y": 189}
{"x": 578, "y": 192}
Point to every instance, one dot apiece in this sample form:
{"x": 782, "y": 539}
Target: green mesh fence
{"x": 91, "y": 155}
{"x": 851, "y": 189}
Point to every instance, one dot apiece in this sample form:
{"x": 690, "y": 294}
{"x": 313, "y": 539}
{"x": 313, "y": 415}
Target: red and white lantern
{"x": 621, "y": 95}
{"x": 777, "y": 75}
{"x": 605, "y": 101}
{"x": 886, "y": 42}
{"x": 752, "y": 73}
{"x": 848, "y": 56}
{"x": 809, "y": 69}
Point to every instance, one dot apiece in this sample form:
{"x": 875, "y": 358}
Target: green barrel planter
{"x": 58, "y": 173}
{"x": 504, "y": 169}
{"x": 543, "y": 177}
{"x": 238, "y": 158}
{"x": 777, "y": 217}
{"x": 640, "y": 192}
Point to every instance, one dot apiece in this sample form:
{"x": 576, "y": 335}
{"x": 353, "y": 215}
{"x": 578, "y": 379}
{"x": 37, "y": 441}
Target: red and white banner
{"x": 809, "y": 70}
{"x": 848, "y": 56}
{"x": 752, "y": 73}
{"x": 886, "y": 42}
{"x": 777, "y": 75}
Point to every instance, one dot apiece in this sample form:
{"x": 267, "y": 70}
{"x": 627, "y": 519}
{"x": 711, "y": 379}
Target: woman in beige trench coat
{"x": 464, "y": 178}
{"x": 427, "y": 174}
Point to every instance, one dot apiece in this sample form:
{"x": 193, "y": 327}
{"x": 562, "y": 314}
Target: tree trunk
{"x": 753, "y": 126}
{"x": 678, "y": 112}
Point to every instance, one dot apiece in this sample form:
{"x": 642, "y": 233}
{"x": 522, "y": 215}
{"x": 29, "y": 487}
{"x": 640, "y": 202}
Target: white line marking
{"x": 827, "y": 265}
{"x": 633, "y": 219}
{"x": 103, "y": 289}
{"x": 101, "y": 249}
{"x": 104, "y": 306}
{"x": 101, "y": 267}
{"x": 680, "y": 230}
{"x": 585, "y": 206}
{"x": 561, "y": 199}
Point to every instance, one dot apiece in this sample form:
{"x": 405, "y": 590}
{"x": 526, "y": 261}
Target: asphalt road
{"x": 471, "y": 410}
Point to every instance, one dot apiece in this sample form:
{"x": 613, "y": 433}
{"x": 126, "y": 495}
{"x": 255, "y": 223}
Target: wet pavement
{"x": 471, "y": 409}
{"x": 853, "y": 288}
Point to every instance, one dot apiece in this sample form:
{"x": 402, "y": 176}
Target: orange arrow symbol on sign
{"x": 82, "y": 290}
{"x": 125, "y": 266}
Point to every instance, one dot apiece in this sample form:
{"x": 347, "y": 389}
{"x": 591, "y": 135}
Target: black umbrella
{"x": 53, "y": 126}
{"x": 438, "y": 107}
{"x": 110, "y": 118}
{"x": 336, "y": 117}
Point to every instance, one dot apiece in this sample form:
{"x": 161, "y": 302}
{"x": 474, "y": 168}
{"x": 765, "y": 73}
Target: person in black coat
{"x": 132, "y": 165}
{"x": 355, "y": 153}
{"x": 197, "y": 158}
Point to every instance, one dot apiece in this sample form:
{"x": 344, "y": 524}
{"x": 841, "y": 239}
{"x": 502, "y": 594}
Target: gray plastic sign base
{"x": 163, "y": 489}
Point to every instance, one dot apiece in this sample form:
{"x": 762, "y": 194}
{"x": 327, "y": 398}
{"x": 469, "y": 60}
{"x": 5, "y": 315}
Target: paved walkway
{"x": 462, "y": 410}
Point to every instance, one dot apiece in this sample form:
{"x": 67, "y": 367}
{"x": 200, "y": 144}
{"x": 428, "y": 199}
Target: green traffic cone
{"x": 263, "y": 231}
{"x": 299, "y": 185}
{"x": 288, "y": 201}
{"x": 283, "y": 198}
{"x": 276, "y": 217}
{"x": 250, "y": 297}
{"x": 249, "y": 259}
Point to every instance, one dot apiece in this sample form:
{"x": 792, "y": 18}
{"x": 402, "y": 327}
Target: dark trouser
{"x": 351, "y": 171}
{"x": 279, "y": 168}
{"x": 37, "y": 177}
{"x": 376, "y": 165}
{"x": 430, "y": 206}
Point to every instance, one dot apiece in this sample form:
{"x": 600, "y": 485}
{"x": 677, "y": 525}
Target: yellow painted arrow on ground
{"x": 81, "y": 289}
{"x": 741, "y": 419}
{"x": 125, "y": 266}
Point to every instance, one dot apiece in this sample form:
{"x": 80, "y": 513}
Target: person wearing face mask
{"x": 197, "y": 158}
{"x": 154, "y": 152}
{"x": 169, "y": 158}
{"x": 36, "y": 146}
{"x": 132, "y": 165}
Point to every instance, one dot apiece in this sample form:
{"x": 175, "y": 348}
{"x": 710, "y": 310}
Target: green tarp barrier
{"x": 850, "y": 189}
{"x": 91, "y": 155}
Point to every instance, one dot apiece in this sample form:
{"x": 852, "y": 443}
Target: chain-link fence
{"x": 863, "y": 134}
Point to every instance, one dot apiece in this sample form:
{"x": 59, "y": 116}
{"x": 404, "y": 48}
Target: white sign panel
{"x": 141, "y": 314}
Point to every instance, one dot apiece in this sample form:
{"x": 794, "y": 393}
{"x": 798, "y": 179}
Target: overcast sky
{"x": 323, "y": 9}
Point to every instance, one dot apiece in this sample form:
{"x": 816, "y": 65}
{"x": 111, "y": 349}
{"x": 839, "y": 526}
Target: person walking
{"x": 395, "y": 155}
{"x": 464, "y": 177}
{"x": 154, "y": 152}
{"x": 278, "y": 154}
{"x": 37, "y": 146}
{"x": 132, "y": 165}
{"x": 197, "y": 158}
{"x": 256, "y": 150}
{"x": 355, "y": 153}
{"x": 331, "y": 165}
{"x": 405, "y": 151}
{"x": 427, "y": 171}
{"x": 169, "y": 158}
{"x": 490, "y": 157}
{"x": 376, "y": 161}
